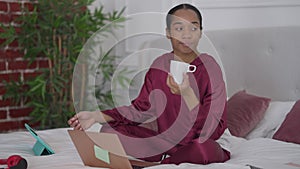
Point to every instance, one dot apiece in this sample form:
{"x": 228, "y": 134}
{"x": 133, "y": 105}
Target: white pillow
{"x": 274, "y": 116}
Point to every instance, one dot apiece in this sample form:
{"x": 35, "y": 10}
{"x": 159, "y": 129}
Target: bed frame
{"x": 263, "y": 61}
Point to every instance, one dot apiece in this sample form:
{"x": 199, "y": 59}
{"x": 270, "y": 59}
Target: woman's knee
{"x": 199, "y": 153}
{"x": 209, "y": 151}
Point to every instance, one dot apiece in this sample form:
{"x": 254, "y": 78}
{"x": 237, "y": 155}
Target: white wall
{"x": 221, "y": 14}
{"x": 217, "y": 14}
{"x": 250, "y": 14}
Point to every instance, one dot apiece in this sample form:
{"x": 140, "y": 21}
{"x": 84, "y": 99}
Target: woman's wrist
{"x": 97, "y": 115}
{"x": 190, "y": 98}
{"x": 187, "y": 92}
{"x": 100, "y": 117}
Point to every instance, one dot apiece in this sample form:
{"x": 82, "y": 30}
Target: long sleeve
{"x": 141, "y": 109}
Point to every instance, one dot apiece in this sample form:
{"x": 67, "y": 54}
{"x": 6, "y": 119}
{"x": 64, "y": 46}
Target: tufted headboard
{"x": 263, "y": 61}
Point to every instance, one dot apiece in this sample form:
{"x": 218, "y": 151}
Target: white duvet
{"x": 260, "y": 152}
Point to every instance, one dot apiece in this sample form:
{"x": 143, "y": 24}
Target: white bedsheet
{"x": 261, "y": 152}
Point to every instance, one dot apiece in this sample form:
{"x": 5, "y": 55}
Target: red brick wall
{"x": 13, "y": 67}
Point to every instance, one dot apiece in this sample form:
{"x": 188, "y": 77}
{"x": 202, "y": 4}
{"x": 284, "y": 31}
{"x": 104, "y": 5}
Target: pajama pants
{"x": 194, "y": 152}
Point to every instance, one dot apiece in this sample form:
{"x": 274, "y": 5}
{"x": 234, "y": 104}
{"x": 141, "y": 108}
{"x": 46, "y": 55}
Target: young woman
{"x": 189, "y": 117}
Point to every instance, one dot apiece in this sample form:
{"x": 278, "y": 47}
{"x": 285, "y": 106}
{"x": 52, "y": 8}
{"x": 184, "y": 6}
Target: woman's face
{"x": 184, "y": 32}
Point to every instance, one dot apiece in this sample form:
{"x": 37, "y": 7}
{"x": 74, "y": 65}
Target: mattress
{"x": 259, "y": 152}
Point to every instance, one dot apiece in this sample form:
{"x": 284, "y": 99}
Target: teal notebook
{"x": 40, "y": 147}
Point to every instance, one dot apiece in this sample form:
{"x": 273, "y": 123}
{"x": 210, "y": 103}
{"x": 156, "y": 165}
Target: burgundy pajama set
{"x": 173, "y": 134}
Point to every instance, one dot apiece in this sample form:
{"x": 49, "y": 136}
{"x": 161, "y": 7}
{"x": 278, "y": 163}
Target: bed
{"x": 259, "y": 64}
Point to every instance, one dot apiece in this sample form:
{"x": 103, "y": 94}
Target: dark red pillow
{"x": 289, "y": 129}
{"x": 244, "y": 112}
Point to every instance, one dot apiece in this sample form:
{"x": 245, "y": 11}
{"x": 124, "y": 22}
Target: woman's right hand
{"x": 83, "y": 120}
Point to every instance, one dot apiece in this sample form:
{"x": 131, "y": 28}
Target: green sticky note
{"x": 101, "y": 154}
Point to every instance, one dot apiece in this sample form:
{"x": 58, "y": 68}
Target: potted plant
{"x": 56, "y": 31}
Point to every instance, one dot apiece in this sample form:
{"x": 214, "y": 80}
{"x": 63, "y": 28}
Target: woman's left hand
{"x": 178, "y": 88}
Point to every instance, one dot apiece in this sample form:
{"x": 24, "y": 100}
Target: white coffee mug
{"x": 177, "y": 69}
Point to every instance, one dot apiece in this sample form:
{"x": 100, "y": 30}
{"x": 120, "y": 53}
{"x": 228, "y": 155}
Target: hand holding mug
{"x": 178, "y": 88}
{"x": 178, "y": 69}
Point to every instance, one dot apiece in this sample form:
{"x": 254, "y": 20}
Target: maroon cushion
{"x": 244, "y": 111}
{"x": 289, "y": 129}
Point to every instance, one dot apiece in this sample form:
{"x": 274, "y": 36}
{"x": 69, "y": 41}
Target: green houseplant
{"x": 56, "y": 31}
